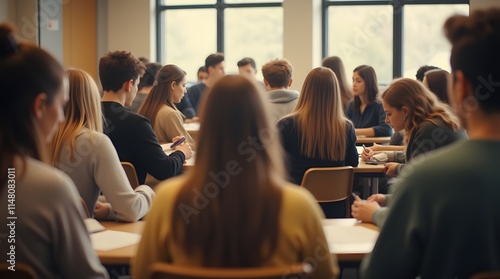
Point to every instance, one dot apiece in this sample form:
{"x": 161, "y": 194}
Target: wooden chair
{"x": 131, "y": 174}
{"x": 87, "y": 213}
{"x": 23, "y": 271}
{"x": 168, "y": 271}
{"x": 486, "y": 275}
{"x": 330, "y": 184}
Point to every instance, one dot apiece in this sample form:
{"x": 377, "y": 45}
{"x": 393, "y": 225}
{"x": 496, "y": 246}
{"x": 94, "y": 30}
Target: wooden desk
{"x": 192, "y": 128}
{"x": 365, "y": 140}
{"x": 123, "y": 256}
{"x": 355, "y": 255}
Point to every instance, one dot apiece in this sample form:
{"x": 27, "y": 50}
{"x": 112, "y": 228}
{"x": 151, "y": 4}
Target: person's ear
{"x": 172, "y": 85}
{"x": 459, "y": 88}
{"x": 405, "y": 111}
{"x": 39, "y": 105}
{"x": 266, "y": 84}
{"x": 290, "y": 82}
{"x": 127, "y": 86}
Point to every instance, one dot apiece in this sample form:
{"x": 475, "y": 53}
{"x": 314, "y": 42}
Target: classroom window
{"x": 189, "y": 30}
{"x": 395, "y": 37}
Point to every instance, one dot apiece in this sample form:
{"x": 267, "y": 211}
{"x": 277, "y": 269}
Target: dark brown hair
{"x": 25, "y": 72}
{"x": 239, "y": 226}
{"x": 475, "y": 51}
{"x": 437, "y": 82}
{"x": 335, "y": 64}
{"x": 149, "y": 76}
{"x": 213, "y": 59}
{"x": 161, "y": 93}
{"x": 116, "y": 68}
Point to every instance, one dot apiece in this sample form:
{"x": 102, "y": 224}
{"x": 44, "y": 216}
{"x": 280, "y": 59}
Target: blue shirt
{"x": 372, "y": 117}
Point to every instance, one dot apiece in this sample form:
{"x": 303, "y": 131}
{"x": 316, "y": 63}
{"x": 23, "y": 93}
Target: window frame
{"x": 220, "y": 6}
{"x": 397, "y": 28}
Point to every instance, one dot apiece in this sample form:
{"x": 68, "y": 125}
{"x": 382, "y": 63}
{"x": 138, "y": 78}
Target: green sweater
{"x": 444, "y": 221}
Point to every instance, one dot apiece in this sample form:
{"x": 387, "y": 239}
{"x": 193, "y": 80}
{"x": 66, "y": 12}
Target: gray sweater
{"x": 50, "y": 235}
{"x": 97, "y": 168}
{"x": 282, "y": 102}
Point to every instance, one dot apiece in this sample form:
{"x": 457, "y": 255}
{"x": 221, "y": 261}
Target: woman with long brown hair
{"x": 166, "y": 120}
{"x": 317, "y": 133}
{"x": 428, "y": 125}
{"x": 50, "y": 235}
{"x": 234, "y": 209}
{"x": 365, "y": 110}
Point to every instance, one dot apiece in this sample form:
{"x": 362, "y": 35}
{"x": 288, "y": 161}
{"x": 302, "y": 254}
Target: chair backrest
{"x": 168, "y": 271}
{"x": 85, "y": 208}
{"x": 486, "y": 275}
{"x": 131, "y": 174}
{"x": 330, "y": 184}
{"x": 23, "y": 271}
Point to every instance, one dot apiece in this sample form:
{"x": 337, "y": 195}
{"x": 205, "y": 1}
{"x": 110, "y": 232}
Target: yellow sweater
{"x": 301, "y": 236}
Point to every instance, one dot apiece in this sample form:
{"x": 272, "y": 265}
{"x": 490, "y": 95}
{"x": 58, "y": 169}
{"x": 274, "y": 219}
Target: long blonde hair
{"x": 83, "y": 110}
{"x": 320, "y": 116}
{"x": 239, "y": 167}
{"x": 422, "y": 104}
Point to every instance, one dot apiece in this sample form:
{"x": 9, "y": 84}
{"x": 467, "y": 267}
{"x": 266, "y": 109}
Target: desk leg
{"x": 374, "y": 183}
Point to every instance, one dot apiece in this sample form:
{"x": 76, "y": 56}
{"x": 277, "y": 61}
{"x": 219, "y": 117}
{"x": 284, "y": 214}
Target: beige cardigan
{"x": 169, "y": 124}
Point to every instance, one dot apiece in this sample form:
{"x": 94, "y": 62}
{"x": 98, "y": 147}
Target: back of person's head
{"x": 213, "y": 59}
{"x": 161, "y": 94}
{"x": 335, "y": 64}
{"x": 367, "y": 73}
{"x": 424, "y": 69}
{"x": 83, "y": 110}
{"x": 321, "y": 117}
{"x": 144, "y": 60}
{"x": 278, "y": 73}
{"x": 247, "y": 61}
{"x": 475, "y": 52}
{"x": 149, "y": 76}
{"x": 29, "y": 76}
{"x": 437, "y": 82}
{"x": 239, "y": 166}
{"x": 116, "y": 68}
{"x": 421, "y": 104}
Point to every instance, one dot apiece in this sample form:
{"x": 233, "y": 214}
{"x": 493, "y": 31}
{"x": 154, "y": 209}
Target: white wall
{"x": 302, "y": 37}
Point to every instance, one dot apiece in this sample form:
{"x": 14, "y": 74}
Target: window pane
{"x": 255, "y": 33}
{"x": 188, "y": 42}
{"x": 252, "y": 1}
{"x": 424, "y": 41}
{"x": 362, "y": 35}
{"x": 187, "y": 2}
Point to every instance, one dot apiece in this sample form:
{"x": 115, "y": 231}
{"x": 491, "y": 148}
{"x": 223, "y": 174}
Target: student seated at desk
{"x": 444, "y": 221}
{"x": 88, "y": 156}
{"x": 159, "y": 108}
{"x": 131, "y": 133}
{"x": 247, "y": 214}
{"x": 335, "y": 64}
{"x": 49, "y": 232}
{"x": 317, "y": 133}
{"x": 429, "y": 124}
{"x": 365, "y": 111}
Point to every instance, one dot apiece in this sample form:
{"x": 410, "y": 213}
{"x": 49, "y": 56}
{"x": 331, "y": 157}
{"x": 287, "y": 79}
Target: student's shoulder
{"x": 299, "y": 198}
{"x": 48, "y": 180}
{"x": 199, "y": 87}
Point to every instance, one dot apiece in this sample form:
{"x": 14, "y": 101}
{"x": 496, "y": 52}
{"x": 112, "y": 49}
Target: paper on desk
{"x": 350, "y": 239}
{"x": 110, "y": 240}
{"x": 93, "y": 225}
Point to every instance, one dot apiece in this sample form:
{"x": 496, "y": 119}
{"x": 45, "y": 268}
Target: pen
{"x": 364, "y": 147}
{"x": 181, "y": 140}
{"x": 356, "y": 197}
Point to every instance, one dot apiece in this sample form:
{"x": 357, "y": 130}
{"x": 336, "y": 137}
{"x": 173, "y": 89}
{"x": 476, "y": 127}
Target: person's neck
{"x": 364, "y": 99}
{"x": 210, "y": 82}
{"x": 145, "y": 90}
{"x": 483, "y": 127}
{"x": 117, "y": 97}
{"x": 278, "y": 88}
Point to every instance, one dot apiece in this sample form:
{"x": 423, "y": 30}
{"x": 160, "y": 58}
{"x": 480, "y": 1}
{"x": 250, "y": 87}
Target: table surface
{"x": 122, "y": 256}
{"x": 364, "y": 140}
